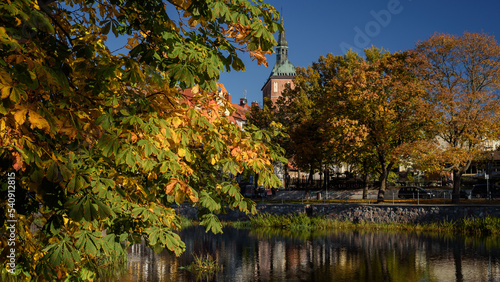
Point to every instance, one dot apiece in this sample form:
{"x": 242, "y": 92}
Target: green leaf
{"x": 62, "y": 253}
{"x": 89, "y": 242}
{"x": 53, "y": 172}
{"x": 160, "y": 238}
{"x": 111, "y": 246}
{"x": 211, "y": 223}
{"x": 106, "y": 27}
{"x": 87, "y": 207}
{"x": 130, "y": 158}
{"x": 76, "y": 184}
{"x": 208, "y": 202}
{"x": 53, "y": 225}
{"x": 17, "y": 93}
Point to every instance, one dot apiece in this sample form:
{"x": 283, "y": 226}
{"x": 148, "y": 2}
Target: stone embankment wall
{"x": 366, "y": 213}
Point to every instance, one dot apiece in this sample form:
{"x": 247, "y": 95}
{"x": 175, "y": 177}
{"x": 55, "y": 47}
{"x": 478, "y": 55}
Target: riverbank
{"x": 291, "y": 224}
{"x": 374, "y": 213}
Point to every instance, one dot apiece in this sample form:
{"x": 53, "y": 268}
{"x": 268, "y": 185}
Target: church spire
{"x": 282, "y": 38}
{"x": 283, "y": 66}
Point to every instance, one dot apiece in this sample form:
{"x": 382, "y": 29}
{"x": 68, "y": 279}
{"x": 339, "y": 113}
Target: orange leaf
{"x": 192, "y": 195}
{"x": 222, "y": 88}
{"x": 18, "y": 163}
{"x": 169, "y": 188}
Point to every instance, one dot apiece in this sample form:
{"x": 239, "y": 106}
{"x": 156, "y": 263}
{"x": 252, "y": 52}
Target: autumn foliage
{"x": 355, "y": 110}
{"x": 102, "y": 142}
{"x": 432, "y": 108}
{"x": 463, "y": 76}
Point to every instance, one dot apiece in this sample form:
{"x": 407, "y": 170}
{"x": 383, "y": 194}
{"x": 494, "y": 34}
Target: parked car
{"x": 412, "y": 192}
{"x": 480, "y": 191}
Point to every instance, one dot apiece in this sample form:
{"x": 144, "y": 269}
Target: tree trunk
{"x": 457, "y": 257}
{"x": 365, "y": 186}
{"x": 287, "y": 178}
{"x": 457, "y": 181}
{"x": 327, "y": 178}
{"x": 383, "y": 177}
{"x": 383, "y": 181}
{"x": 310, "y": 179}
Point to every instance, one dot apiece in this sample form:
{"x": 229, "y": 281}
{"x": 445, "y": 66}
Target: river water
{"x": 270, "y": 255}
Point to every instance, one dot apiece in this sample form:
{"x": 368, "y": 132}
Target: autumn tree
{"x": 384, "y": 95}
{"x": 266, "y": 119}
{"x": 464, "y": 75}
{"x": 300, "y": 112}
{"x": 98, "y": 144}
{"x": 368, "y": 107}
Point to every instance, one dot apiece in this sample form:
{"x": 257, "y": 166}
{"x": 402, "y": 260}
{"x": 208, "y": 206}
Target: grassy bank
{"x": 475, "y": 226}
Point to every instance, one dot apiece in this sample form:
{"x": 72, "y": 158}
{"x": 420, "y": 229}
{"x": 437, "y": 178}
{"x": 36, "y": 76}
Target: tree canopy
{"x": 102, "y": 142}
{"x": 463, "y": 75}
{"x": 363, "y": 109}
{"x": 433, "y": 108}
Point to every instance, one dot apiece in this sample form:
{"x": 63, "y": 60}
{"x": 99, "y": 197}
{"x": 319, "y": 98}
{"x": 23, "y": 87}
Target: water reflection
{"x": 328, "y": 256}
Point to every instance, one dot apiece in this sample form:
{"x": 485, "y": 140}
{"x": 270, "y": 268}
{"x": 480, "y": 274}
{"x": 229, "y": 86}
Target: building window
{"x": 275, "y": 86}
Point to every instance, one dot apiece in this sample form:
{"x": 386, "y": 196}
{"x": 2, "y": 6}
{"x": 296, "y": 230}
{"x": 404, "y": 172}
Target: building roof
{"x": 283, "y": 66}
{"x": 240, "y": 112}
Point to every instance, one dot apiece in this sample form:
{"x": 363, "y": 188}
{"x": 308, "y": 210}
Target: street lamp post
{"x": 487, "y": 177}
{"x": 490, "y": 166}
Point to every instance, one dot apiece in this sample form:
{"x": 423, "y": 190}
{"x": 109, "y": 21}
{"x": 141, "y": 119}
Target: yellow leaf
{"x": 6, "y": 91}
{"x": 179, "y": 196}
{"x": 212, "y": 161}
{"x": 152, "y": 176}
{"x": 38, "y": 121}
{"x": 20, "y": 116}
{"x": 181, "y": 152}
{"x": 195, "y": 89}
{"x": 37, "y": 256}
{"x": 176, "y": 121}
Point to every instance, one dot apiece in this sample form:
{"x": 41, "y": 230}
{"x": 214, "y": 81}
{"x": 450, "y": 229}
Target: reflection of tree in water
{"x": 275, "y": 255}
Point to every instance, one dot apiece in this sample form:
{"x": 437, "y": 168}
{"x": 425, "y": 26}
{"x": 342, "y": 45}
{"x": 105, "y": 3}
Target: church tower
{"x": 283, "y": 71}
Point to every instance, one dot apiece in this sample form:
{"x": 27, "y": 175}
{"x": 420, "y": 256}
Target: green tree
{"x": 102, "y": 143}
{"x": 464, "y": 77}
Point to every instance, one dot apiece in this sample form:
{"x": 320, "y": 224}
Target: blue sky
{"x": 316, "y": 28}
